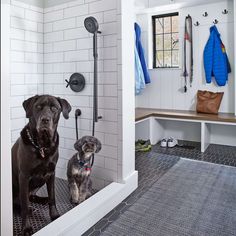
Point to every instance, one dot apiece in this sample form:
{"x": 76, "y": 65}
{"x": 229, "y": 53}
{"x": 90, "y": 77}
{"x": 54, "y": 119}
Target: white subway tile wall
{"x": 26, "y": 60}
{"x": 76, "y": 47}
{"x": 47, "y": 46}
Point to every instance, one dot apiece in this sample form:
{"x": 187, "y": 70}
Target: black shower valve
{"x": 68, "y": 83}
{"x": 76, "y": 82}
{"x": 71, "y": 83}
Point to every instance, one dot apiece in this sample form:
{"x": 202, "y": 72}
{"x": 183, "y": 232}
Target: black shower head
{"x": 91, "y": 25}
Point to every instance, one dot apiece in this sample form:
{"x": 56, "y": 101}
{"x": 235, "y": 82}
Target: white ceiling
{"x": 148, "y": 4}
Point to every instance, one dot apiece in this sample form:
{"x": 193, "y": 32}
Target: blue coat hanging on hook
{"x": 141, "y": 53}
{"x": 216, "y": 62}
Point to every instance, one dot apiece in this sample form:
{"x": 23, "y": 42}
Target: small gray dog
{"x": 79, "y": 169}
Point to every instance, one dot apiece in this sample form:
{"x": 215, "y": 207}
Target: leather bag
{"x": 208, "y": 102}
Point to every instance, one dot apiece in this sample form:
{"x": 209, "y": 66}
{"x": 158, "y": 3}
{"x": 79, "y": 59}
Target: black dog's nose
{"x": 45, "y": 120}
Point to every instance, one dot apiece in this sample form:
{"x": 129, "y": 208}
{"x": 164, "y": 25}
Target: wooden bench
{"x": 205, "y": 128}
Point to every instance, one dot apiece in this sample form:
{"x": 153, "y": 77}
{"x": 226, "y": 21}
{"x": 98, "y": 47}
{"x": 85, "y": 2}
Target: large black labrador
{"x": 35, "y": 154}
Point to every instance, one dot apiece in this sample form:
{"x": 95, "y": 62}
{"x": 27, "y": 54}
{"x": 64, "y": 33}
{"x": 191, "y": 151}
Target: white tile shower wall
{"x": 26, "y": 42}
{"x": 46, "y": 48}
{"x": 165, "y": 90}
{"x": 68, "y": 49}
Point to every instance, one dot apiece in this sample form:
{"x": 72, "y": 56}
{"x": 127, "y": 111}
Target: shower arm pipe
{"x": 95, "y": 90}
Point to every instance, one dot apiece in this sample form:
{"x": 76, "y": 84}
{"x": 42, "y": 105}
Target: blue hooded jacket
{"x": 141, "y": 53}
{"x": 216, "y": 62}
{"x": 139, "y": 76}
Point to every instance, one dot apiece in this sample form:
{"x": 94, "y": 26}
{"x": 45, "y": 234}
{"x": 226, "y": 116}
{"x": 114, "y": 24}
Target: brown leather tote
{"x": 208, "y": 102}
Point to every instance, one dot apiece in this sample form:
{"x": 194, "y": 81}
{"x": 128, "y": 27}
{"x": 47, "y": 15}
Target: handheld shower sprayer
{"x": 92, "y": 27}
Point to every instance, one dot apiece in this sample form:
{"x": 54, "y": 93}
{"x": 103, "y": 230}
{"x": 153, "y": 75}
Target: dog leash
{"x": 188, "y": 36}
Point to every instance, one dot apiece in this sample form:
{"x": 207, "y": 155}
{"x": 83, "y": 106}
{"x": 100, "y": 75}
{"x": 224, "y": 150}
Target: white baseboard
{"x": 81, "y": 218}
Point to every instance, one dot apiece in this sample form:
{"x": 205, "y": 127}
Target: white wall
{"x": 68, "y": 49}
{"x": 36, "y": 3}
{"x": 47, "y": 46}
{"x": 44, "y": 3}
{"x": 126, "y": 90}
{"x": 164, "y": 92}
{"x": 6, "y": 189}
{"x": 26, "y": 53}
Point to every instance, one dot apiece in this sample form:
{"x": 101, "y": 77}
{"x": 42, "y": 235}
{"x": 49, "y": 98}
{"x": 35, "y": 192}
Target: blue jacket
{"x": 216, "y": 62}
{"x": 141, "y": 53}
{"x": 139, "y": 76}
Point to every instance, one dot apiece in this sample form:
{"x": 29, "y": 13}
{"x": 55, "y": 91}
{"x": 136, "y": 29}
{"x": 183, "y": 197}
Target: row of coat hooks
{"x": 224, "y": 12}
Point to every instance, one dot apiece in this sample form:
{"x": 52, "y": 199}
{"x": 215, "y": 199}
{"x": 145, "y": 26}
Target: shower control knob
{"x": 76, "y": 82}
{"x": 68, "y": 83}
{"x": 71, "y": 83}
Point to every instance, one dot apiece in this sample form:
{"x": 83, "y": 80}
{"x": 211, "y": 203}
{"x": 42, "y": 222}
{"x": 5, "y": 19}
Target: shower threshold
{"x": 77, "y": 220}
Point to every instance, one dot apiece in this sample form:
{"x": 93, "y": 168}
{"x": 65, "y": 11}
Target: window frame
{"x": 154, "y": 17}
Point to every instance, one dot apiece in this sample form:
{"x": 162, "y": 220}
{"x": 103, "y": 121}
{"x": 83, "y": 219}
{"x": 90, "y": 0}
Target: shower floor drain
{"x": 40, "y": 215}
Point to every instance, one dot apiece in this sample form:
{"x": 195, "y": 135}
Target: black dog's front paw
{"x": 27, "y": 231}
{"x": 54, "y": 214}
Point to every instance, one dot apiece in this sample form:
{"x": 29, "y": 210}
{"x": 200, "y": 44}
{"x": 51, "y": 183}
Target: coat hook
{"x": 215, "y": 22}
{"x": 225, "y": 12}
{"x": 205, "y": 14}
{"x": 197, "y": 23}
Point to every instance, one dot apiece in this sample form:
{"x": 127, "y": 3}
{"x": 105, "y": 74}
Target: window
{"x": 166, "y": 41}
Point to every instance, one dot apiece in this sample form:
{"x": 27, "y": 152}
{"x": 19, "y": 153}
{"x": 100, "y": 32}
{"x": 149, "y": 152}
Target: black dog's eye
{"x": 39, "y": 107}
{"x": 54, "y": 109}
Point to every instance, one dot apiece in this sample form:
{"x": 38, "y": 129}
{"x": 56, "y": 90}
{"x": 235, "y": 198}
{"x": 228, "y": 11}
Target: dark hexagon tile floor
{"x": 40, "y": 215}
{"x": 152, "y": 165}
{"x": 219, "y": 154}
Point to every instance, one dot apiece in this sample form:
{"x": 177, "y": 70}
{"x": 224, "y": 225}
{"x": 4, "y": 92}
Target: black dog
{"x": 79, "y": 169}
{"x": 35, "y": 154}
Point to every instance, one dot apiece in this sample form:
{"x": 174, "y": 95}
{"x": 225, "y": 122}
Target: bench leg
{"x": 205, "y": 136}
{"x": 156, "y": 131}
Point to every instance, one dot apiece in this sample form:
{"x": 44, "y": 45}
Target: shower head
{"x": 91, "y": 25}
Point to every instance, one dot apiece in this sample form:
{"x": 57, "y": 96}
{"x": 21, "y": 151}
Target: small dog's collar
{"x": 81, "y": 163}
{"x": 85, "y": 165}
{"x": 88, "y": 168}
{"x": 40, "y": 149}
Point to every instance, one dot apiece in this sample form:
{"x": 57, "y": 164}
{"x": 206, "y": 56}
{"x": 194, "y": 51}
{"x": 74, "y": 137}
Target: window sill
{"x": 166, "y": 68}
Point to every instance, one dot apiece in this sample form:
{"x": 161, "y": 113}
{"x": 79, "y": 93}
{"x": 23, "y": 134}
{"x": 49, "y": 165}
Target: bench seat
{"x": 154, "y": 124}
{"x": 143, "y": 113}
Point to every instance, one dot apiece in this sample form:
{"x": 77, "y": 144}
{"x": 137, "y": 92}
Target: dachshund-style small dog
{"x": 79, "y": 169}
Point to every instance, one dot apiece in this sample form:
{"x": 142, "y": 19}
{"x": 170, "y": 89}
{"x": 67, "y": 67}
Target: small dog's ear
{"x": 78, "y": 145}
{"x": 65, "y": 106}
{"x": 98, "y": 145}
{"x": 28, "y": 105}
